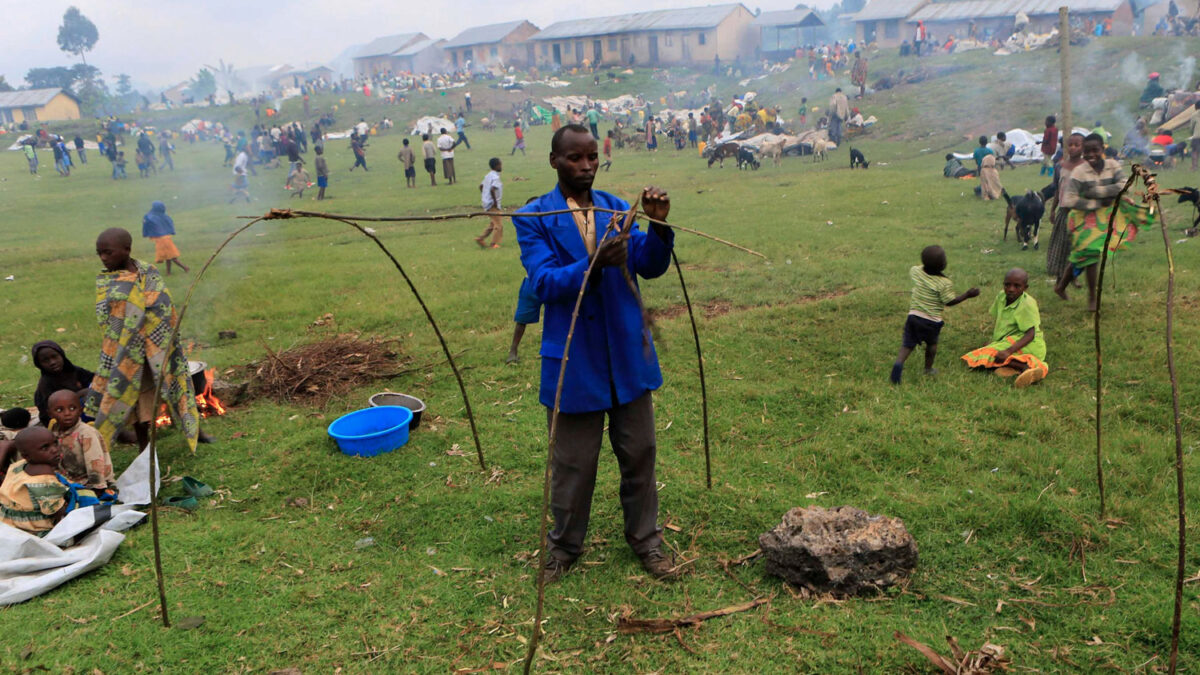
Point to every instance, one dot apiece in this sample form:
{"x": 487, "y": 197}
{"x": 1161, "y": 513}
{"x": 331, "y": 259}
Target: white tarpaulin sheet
{"x": 423, "y": 125}
{"x": 87, "y": 145}
{"x": 618, "y": 104}
{"x": 1027, "y": 147}
{"x": 81, "y": 542}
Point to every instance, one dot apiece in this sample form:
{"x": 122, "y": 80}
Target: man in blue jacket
{"x": 612, "y": 366}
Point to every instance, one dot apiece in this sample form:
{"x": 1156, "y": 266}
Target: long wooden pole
{"x": 1064, "y": 66}
{"x": 1152, "y": 196}
{"x": 1104, "y": 255}
{"x": 700, "y": 366}
{"x": 531, "y": 650}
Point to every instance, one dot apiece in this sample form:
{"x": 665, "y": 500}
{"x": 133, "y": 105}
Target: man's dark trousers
{"x": 573, "y": 479}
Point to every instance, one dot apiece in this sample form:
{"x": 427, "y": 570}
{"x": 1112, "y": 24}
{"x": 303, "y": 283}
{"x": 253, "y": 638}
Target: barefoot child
{"x": 136, "y": 317}
{"x": 322, "y": 167}
{"x": 32, "y": 498}
{"x": 1017, "y": 347}
{"x": 158, "y": 227}
{"x": 1089, "y": 193}
{"x": 932, "y": 292}
{"x": 409, "y": 161}
{"x": 84, "y": 456}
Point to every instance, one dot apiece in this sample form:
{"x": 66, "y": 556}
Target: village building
{"x": 503, "y": 44}
{"x": 691, "y": 35}
{"x": 299, "y": 76}
{"x": 38, "y": 105}
{"x": 423, "y": 56}
{"x": 781, "y": 33}
{"x": 997, "y": 18}
{"x": 884, "y": 22}
{"x": 380, "y": 55}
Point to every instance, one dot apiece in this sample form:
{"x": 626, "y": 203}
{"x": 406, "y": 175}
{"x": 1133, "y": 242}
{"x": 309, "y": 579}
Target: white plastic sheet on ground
{"x": 423, "y": 125}
{"x": 81, "y": 542}
{"x": 1028, "y": 146}
{"x": 87, "y": 145}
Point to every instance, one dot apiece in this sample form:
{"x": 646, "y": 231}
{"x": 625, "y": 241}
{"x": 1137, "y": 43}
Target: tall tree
{"x": 4, "y": 85}
{"x": 77, "y": 34}
{"x": 123, "y": 85}
{"x": 50, "y": 78}
{"x": 203, "y": 84}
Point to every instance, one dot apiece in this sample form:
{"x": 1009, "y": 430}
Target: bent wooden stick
{"x": 503, "y": 214}
{"x": 700, "y": 365}
{"x": 1152, "y": 196}
{"x": 1112, "y": 218}
{"x": 631, "y": 625}
{"x": 562, "y": 374}
{"x": 462, "y": 388}
{"x": 171, "y": 339}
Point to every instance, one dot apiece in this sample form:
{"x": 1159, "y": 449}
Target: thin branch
{"x": 562, "y": 373}
{"x": 462, "y": 388}
{"x": 1152, "y": 196}
{"x": 1112, "y": 217}
{"x": 630, "y": 625}
{"x": 700, "y": 366}
{"x": 503, "y": 214}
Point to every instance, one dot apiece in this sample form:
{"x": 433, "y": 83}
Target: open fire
{"x": 207, "y": 403}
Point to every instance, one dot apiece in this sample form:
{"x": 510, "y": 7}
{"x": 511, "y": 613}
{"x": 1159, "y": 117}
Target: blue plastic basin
{"x": 371, "y": 431}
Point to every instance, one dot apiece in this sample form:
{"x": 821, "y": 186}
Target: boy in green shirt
{"x": 932, "y": 292}
{"x": 1017, "y": 346}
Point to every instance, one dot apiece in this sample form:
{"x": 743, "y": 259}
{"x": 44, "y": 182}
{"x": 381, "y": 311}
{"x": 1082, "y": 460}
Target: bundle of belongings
{"x": 431, "y": 126}
{"x": 1174, "y": 110}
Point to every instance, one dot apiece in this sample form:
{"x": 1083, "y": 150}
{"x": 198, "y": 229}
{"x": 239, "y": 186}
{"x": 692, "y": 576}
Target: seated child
{"x": 1003, "y": 150}
{"x": 32, "y": 498}
{"x": 932, "y": 291}
{"x": 12, "y": 421}
{"x": 299, "y": 181}
{"x": 955, "y": 168}
{"x": 84, "y": 455}
{"x": 1017, "y": 347}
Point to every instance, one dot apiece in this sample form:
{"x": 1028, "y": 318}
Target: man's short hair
{"x": 556, "y": 139}
{"x": 493, "y": 163}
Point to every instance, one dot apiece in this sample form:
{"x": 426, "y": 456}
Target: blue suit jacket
{"x": 608, "y": 364}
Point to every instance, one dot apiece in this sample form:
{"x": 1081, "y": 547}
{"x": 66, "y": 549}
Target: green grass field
{"x": 996, "y": 485}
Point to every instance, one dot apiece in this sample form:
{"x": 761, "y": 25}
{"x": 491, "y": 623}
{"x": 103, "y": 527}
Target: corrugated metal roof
{"x": 388, "y": 45}
{"x": 966, "y": 10}
{"x": 662, "y": 19}
{"x": 804, "y": 18}
{"x": 417, "y": 47}
{"x": 28, "y": 97}
{"x": 880, "y": 10}
{"x": 480, "y": 35}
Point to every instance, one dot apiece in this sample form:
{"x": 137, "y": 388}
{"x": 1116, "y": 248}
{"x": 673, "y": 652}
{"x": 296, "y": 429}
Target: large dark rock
{"x": 230, "y": 393}
{"x": 844, "y": 551}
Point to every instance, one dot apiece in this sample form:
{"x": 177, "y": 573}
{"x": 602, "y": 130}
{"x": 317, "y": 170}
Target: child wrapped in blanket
{"x": 32, "y": 498}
